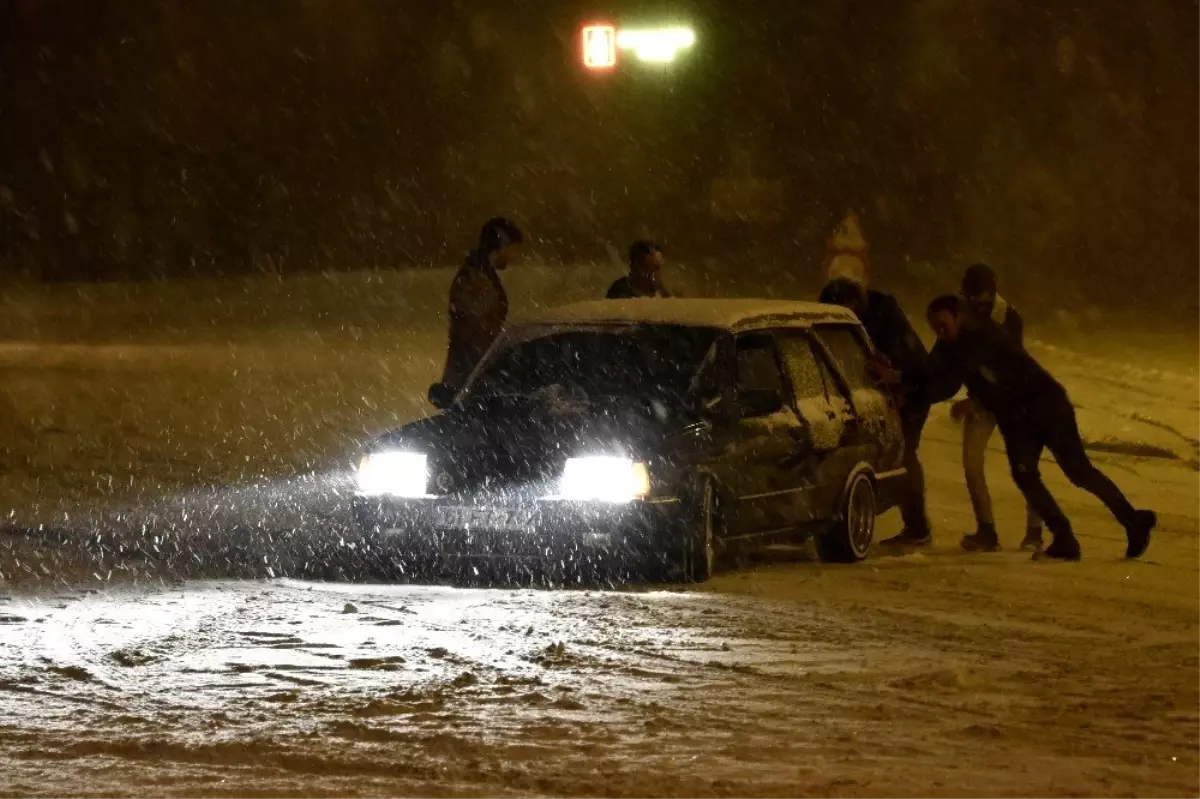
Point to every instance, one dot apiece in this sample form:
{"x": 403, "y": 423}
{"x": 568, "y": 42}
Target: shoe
{"x": 1138, "y": 532}
{"x": 907, "y": 538}
{"x": 1032, "y": 540}
{"x": 983, "y": 540}
{"x": 1063, "y": 547}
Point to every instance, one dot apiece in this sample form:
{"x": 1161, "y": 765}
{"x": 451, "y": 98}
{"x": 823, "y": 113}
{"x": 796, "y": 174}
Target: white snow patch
{"x": 720, "y": 313}
{"x": 825, "y": 419}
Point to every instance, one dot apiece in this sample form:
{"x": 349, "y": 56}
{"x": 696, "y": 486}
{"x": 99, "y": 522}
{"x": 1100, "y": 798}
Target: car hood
{"x": 504, "y": 444}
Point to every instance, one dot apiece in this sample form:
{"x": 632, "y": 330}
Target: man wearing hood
{"x": 979, "y": 290}
{"x": 478, "y": 306}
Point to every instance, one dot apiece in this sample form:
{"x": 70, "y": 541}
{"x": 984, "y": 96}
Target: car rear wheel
{"x": 701, "y": 549}
{"x": 850, "y": 538}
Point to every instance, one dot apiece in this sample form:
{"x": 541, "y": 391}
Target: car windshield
{"x": 640, "y": 362}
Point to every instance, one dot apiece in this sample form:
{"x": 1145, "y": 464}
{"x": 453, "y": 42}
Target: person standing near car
{"x": 894, "y": 338}
{"x": 979, "y": 290}
{"x": 478, "y": 306}
{"x": 645, "y": 274}
{"x": 1033, "y": 413}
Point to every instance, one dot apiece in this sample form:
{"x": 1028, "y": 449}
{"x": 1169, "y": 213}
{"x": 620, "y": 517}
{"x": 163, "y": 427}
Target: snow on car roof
{"x": 720, "y": 313}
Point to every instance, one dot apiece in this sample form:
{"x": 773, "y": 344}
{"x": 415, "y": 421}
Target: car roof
{"x": 727, "y": 314}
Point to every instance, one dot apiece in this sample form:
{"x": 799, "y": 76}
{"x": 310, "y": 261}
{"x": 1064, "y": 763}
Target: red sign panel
{"x": 599, "y": 46}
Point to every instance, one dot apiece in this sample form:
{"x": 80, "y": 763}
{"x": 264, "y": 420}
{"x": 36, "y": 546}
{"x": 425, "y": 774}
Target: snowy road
{"x": 938, "y": 674}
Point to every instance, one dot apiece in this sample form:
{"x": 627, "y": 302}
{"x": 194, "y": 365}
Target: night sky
{"x": 153, "y": 138}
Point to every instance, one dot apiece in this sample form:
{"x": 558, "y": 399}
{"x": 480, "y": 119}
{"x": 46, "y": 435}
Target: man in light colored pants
{"x": 979, "y": 290}
{"x": 978, "y": 427}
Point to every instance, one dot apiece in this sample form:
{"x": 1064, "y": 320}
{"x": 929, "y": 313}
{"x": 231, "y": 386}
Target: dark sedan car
{"x": 652, "y": 433}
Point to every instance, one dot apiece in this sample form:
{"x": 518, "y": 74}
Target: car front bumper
{"x": 548, "y": 530}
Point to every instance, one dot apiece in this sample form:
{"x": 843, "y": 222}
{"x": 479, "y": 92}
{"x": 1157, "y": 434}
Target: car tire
{"x": 701, "y": 548}
{"x": 850, "y": 538}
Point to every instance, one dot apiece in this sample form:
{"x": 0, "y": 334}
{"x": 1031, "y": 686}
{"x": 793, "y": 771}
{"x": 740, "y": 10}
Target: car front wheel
{"x": 850, "y": 538}
{"x": 701, "y": 546}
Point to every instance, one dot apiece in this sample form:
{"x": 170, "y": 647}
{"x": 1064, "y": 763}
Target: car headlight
{"x": 397, "y": 474}
{"x": 604, "y": 478}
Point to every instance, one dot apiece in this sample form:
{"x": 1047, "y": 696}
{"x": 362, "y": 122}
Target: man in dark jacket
{"x": 1033, "y": 413}
{"x": 982, "y": 299}
{"x": 895, "y": 339}
{"x": 478, "y": 306}
{"x": 645, "y": 274}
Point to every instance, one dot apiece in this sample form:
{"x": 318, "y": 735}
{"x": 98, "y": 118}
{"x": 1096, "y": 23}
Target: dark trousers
{"x": 1051, "y": 425}
{"x": 912, "y": 506}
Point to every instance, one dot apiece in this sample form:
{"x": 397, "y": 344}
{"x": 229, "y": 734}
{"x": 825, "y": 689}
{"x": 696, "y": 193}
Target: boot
{"x": 1138, "y": 532}
{"x": 1032, "y": 540}
{"x": 1065, "y": 546}
{"x": 908, "y": 537}
{"x": 983, "y": 540}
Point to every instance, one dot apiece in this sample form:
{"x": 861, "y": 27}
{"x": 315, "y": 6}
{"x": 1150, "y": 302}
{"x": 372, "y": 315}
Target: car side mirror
{"x": 759, "y": 402}
{"x": 806, "y": 442}
{"x": 441, "y": 396}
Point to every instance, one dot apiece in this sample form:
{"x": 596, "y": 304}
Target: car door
{"x": 848, "y": 349}
{"x": 825, "y": 454}
{"x": 762, "y": 438}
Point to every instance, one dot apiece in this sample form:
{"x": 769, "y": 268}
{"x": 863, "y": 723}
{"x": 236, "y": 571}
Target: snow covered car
{"x": 653, "y": 433}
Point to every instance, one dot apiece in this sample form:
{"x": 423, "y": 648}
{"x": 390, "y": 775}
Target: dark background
{"x": 168, "y": 138}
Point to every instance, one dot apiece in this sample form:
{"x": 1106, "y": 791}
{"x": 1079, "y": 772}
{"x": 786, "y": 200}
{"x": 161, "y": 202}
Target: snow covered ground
{"x": 162, "y": 632}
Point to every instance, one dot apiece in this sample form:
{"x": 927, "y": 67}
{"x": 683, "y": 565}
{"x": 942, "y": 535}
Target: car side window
{"x": 758, "y": 376}
{"x": 849, "y": 352}
{"x": 832, "y": 387}
{"x": 808, "y": 378}
{"x": 819, "y": 401}
{"x": 757, "y": 369}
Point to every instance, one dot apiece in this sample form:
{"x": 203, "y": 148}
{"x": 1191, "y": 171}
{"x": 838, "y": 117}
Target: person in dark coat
{"x": 982, "y": 299}
{"x": 478, "y": 306}
{"x": 645, "y": 274}
{"x": 894, "y": 338}
{"x": 1033, "y": 413}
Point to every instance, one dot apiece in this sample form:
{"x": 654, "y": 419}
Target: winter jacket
{"x": 624, "y": 289}
{"x": 1005, "y": 314}
{"x": 894, "y": 337}
{"x": 999, "y": 374}
{"x": 478, "y": 310}
{"x": 1010, "y": 321}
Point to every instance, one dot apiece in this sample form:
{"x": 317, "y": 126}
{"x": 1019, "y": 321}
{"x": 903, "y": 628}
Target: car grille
{"x": 495, "y": 480}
